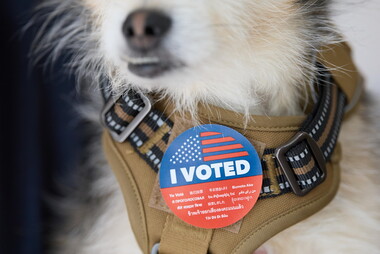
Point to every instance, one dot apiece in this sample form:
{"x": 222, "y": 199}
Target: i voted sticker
{"x": 211, "y": 176}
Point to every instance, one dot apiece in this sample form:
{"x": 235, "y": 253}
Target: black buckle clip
{"x": 121, "y": 137}
{"x": 316, "y": 152}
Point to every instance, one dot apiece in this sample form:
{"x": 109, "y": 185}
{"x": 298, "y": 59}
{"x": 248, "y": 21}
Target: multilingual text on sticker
{"x": 211, "y": 176}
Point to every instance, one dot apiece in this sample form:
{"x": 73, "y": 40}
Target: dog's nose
{"x": 144, "y": 29}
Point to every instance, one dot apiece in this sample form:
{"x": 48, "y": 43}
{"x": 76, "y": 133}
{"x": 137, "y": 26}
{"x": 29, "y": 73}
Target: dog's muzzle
{"x": 144, "y": 31}
{"x": 299, "y": 155}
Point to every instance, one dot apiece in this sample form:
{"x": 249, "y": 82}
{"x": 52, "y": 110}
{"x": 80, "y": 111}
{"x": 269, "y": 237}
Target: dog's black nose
{"x": 144, "y": 29}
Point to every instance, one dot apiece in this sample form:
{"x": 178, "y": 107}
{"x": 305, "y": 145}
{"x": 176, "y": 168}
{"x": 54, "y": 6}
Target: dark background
{"x": 39, "y": 136}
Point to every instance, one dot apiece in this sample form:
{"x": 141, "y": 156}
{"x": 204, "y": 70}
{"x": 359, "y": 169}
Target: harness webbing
{"x": 151, "y": 137}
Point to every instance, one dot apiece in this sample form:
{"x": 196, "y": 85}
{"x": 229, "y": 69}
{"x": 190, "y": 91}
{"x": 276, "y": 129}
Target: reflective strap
{"x": 323, "y": 126}
{"x": 150, "y": 138}
{"x": 151, "y": 135}
{"x": 180, "y": 237}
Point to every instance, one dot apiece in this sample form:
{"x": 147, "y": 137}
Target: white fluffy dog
{"x": 249, "y": 56}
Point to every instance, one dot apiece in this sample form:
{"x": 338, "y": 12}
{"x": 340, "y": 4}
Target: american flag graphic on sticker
{"x": 211, "y": 176}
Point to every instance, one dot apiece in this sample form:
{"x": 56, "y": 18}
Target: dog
{"x": 249, "y": 56}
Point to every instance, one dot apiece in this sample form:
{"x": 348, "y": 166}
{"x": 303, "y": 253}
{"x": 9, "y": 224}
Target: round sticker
{"x": 211, "y": 176}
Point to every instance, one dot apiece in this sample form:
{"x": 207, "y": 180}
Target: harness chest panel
{"x": 299, "y": 155}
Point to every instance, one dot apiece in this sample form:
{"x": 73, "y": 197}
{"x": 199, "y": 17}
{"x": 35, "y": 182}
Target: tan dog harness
{"x": 299, "y": 156}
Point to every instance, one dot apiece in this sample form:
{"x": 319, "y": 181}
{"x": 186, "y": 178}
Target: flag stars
{"x": 188, "y": 151}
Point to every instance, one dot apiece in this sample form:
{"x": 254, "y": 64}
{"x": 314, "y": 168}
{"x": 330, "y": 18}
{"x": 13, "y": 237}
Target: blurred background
{"x": 41, "y": 139}
{"x": 359, "y": 20}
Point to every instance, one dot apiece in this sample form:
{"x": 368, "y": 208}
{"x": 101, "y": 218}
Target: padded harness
{"x": 299, "y": 157}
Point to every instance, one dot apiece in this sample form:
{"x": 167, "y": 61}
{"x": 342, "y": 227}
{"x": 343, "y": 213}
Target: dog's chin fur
{"x": 249, "y": 56}
{"x": 254, "y": 57}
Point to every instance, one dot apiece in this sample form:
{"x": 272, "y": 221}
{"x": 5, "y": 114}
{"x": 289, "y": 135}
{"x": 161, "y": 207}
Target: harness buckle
{"x": 316, "y": 153}
{"x": 124, "y": 134}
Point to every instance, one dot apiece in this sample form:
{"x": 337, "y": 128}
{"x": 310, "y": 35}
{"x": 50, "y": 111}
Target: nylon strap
{"x": 323, "y": 125}
{"x": 150, "y": 138}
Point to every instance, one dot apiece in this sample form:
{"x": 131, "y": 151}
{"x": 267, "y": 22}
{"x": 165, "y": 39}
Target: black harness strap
{"x": 297, "y": 166}
{"x": 151, "y": 136}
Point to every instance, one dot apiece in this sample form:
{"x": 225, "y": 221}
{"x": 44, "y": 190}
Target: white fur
{"x": 251, "y": 56}
{"x": 222, "y": 45}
